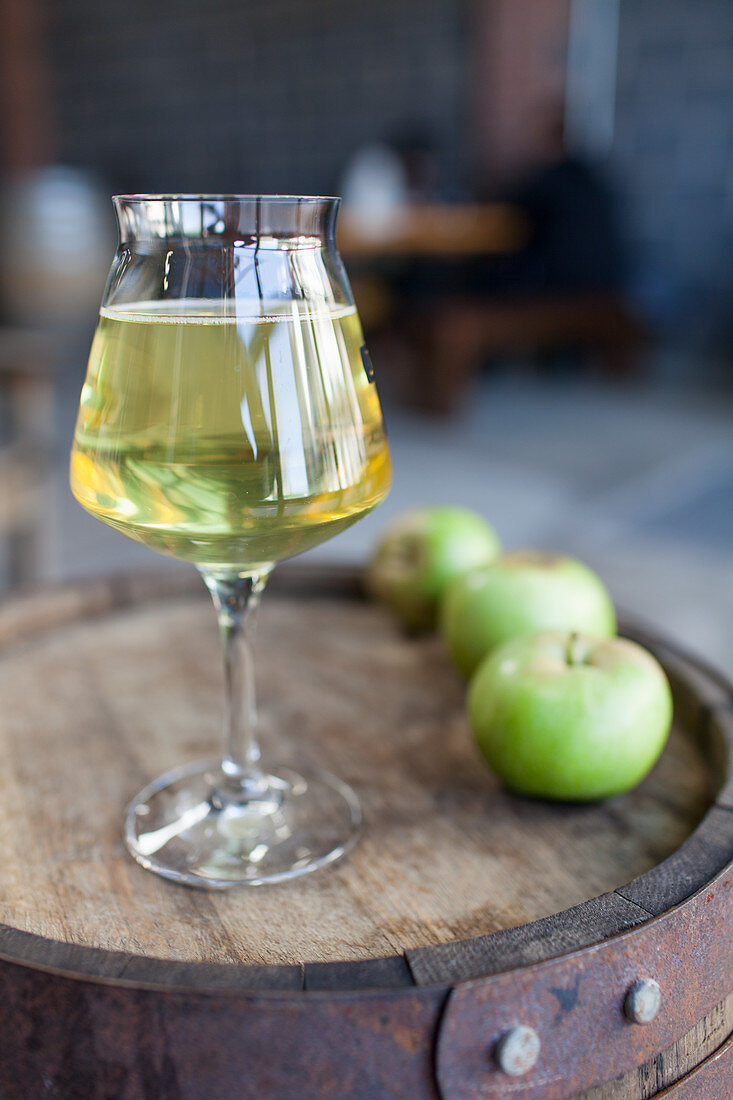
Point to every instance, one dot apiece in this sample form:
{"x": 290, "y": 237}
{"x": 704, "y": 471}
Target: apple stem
{"x": 574, "y": 654}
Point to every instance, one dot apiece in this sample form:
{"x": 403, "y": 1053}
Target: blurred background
{"x": 538, "y": 225}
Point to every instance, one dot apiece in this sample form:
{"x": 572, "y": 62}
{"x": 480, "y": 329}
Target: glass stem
{"x": 236, "y": 598}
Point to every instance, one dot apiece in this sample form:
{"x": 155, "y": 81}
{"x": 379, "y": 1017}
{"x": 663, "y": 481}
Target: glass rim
{"x": 224, "y": 197}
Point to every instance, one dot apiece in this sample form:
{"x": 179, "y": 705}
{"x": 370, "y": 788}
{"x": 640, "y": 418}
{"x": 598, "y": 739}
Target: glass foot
{"x": 193, "y": 825}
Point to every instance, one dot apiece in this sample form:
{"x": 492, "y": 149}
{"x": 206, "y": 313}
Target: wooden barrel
{"x": 468, "y": 932}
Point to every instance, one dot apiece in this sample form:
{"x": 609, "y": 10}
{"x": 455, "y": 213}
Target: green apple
{"x": 569, "y": 716}
{"x": 523, "y": 592}
{"x": 421, "y": 553}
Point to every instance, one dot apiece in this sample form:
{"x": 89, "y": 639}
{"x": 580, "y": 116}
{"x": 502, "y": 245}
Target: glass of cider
{"x": 229, "y": 418}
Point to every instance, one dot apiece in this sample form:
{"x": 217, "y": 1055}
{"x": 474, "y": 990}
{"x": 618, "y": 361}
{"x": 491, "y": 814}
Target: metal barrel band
{"x": 575, "y": 1004}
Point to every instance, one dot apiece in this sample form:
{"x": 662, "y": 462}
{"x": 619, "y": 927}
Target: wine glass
{"x": 229, "y": 418}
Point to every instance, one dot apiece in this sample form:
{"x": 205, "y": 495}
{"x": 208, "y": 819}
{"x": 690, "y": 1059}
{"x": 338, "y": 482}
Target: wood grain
{"x": 102, "y": 687}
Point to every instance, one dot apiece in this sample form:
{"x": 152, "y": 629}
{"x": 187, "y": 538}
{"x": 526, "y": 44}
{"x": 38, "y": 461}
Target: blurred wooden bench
{"x": 455, "y": 338}
{"x": 26, "y": 398}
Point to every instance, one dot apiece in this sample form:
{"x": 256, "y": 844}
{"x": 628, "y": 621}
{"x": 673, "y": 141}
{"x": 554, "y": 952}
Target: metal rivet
{"x": 643, "y": 1001}
{"x": 517, "y": 1050}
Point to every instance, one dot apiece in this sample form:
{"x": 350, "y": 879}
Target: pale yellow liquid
{"x": 229, "y": 441}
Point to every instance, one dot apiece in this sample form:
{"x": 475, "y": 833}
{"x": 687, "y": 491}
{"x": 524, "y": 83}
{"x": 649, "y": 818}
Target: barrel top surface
{"x": 98, "y": 698}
